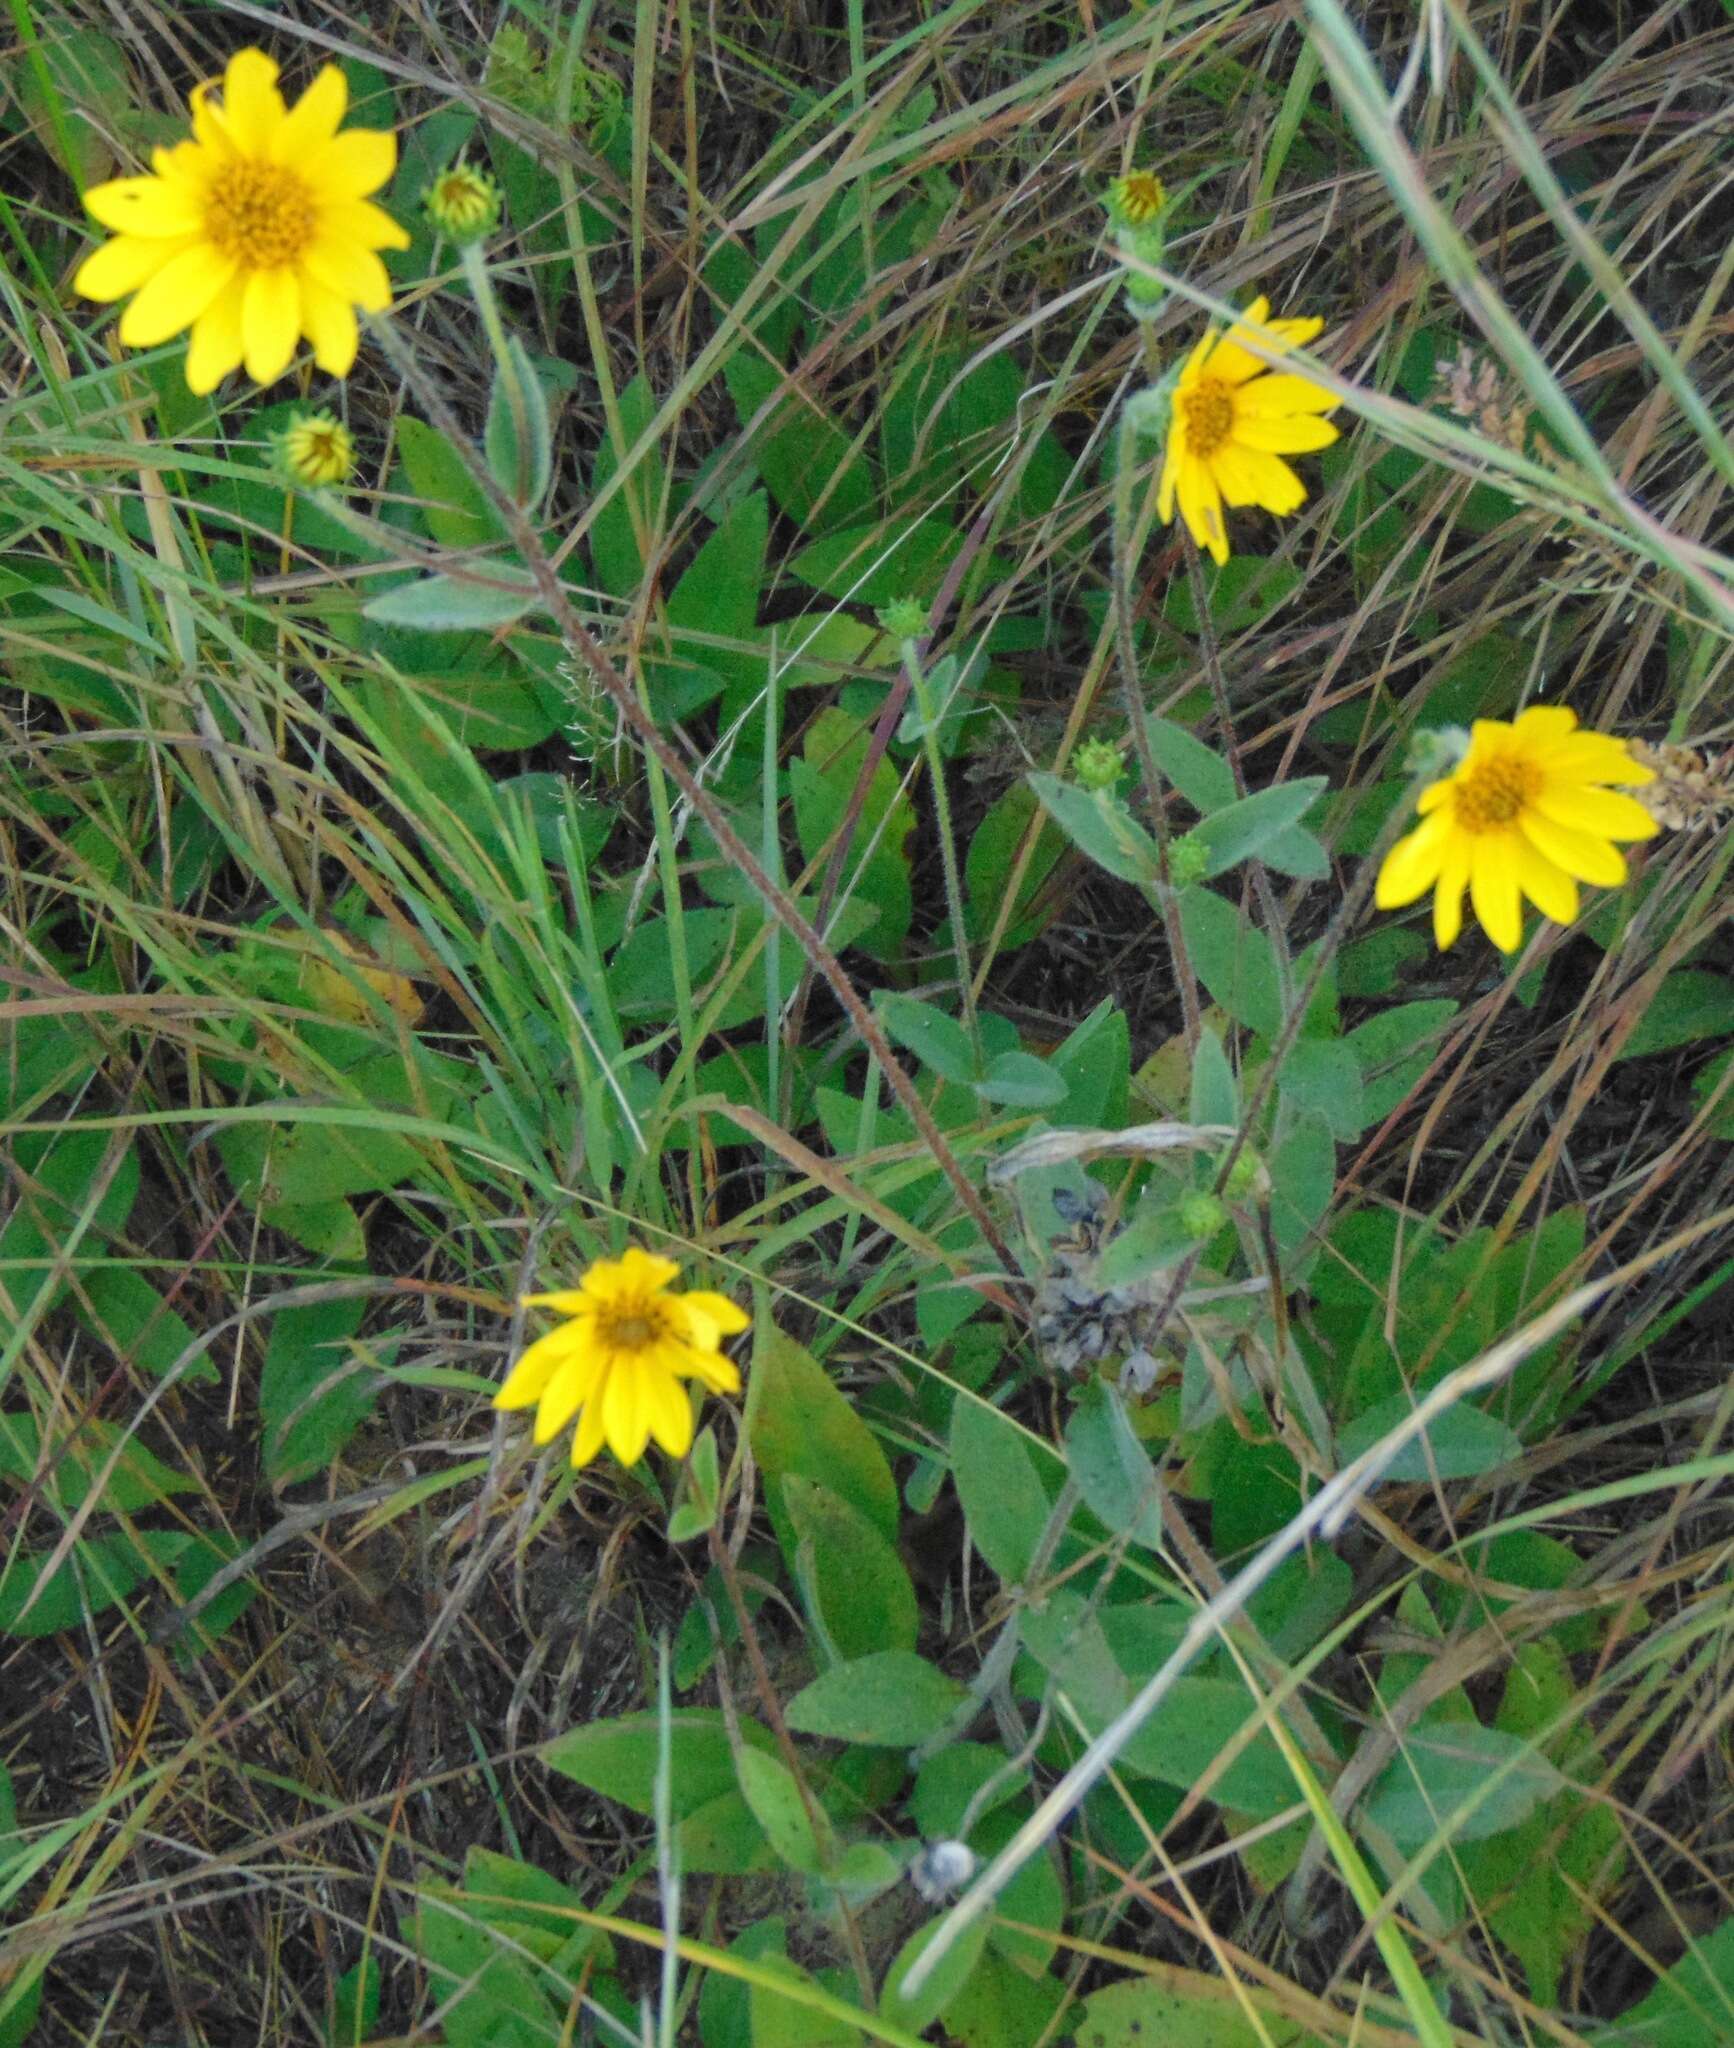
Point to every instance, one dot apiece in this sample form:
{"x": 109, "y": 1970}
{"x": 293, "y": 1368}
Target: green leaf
{"x": 488, "y": 1997}
{"x": 918, "y": 2010}
{"x": 1003, "y": 1499}
{"x": 1242, "y": 830}
{"x": 822, "y": 783}
{"x": 879, "y": 561}
{"x": 618, "y": 1758}
{"x": 314, "y": 1391}
{"x": 988, "y": 863}
{"x": 1215, "y": 1097}
{"x": 1183, "y": 2012}
{"x": 851, "y": 1575}
{"x": 937, "y": 1040}
{"x": 799, "y": 1424}
{"x": 139, "y": 1478}
{"x": 808, "y": 463}
{"x": 443, "y": 604}
{"x": 779, "y": 2022}
{"x": 454, "y": 508}
{"x": 1021, "y": 1081}
{"x": 1464, "y": 1442}
{"x": 1689, "y": 2006}
{"x": 1691, "y": 1005}
{"x": 1540, "y": 1882}
{"x": 769, "y": 1788}
{"x": 123, "y": 1310}
{"x": 1461, "y": 1779}
{"x": 1111, "y": 1468}
{"x": 889, "y": 1697}
{"x": 1003, "y": 2006}
{"x": 1233, "y": 960}
{"x": 627, "y": 525}
{"x": 1101, "y": 828}
{"x": 1240, "y": 593}
{"x": 1323, "y": 1077}
{"x": 698, "y": 1511}
{"x": 96, "y": 1575}
{"x": 354, "y": 2005}
{"x": 517, "y": 439}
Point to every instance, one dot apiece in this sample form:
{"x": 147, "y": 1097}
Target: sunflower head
{"x": 621, "y": 1359}
{"x": 1234, "y": 420}
{"x": 317, "y": 450}
{"x": 1528, "y": 811}
{"x": 255, "y": 233}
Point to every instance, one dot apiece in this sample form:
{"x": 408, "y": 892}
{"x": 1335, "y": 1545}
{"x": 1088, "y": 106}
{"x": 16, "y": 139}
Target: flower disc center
{"x": 260, "y": 214}
{"x": 632, "y": 1331}
{"x": 1492, "y": 795}
{"x": 1209, "y": 411}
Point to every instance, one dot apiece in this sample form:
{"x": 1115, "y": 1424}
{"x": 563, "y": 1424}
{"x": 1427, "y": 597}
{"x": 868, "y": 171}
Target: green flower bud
{"x": 463, "y": 204}
{"x": 1098, "y": 764}
{"x": 316, "y": 450}
{"x": 1148, "y": 412}
{"x": 1201, "y": 1216}
{"x": 1135, "y": 201}
{"x": 904, "y": 619}
{"x": 1188, "y": 860}
{"x": 1244, "y": 1175}
{"x": 1434, "y": 751}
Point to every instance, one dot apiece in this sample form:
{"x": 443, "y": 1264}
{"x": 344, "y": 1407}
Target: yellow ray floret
{"x": 256, "y": 233}
{"x": 621, "y": 1359}
{"x": 1527, "y": 813}
{"x": 1234, "y": 419}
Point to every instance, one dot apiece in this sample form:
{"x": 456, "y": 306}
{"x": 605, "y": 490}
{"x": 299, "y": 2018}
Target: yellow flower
{"x": 620, "y": 1362}
{"x": 315, "y": 449}
{"x": 1526, "y": 812}
{"x": 254, "y": 233}
{"x": 463, "y": 203}
{"x": 1234, "y": 420}
{"x": 1136, "y": 199}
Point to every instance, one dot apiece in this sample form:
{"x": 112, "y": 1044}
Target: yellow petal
{"x": 625, "y": 1414}
{"x": 1550, "y": 889}
{"x": 1287, "y": 434}
{"x": 176, "y": 296}
{"x": 1170, "y": 478}
{"x": 576, "y": 1382}
{"x": 1412, "y": 866}
{"x": 720, "y": 1374}
{"x": 356, "y": 275}
{"x": 215, "y": 348}
{"x": 646, "y": 1272}
{"x": 528, "y": 1379}
{"x": 1493, "y": 890}
{"x": 315, "y": 119}
{"x": 587, "y": 1438}
{"x": 122, "y": 265}
{"x": 159, "y": 207}
{"x": 361, "y": 222}
{"x": 1593, "y": 757}
{"x": 1582, "y": 808}
{"x": 210, "y": 131}
{"x": 726, "y": 1316}
{"x": 252, "y": 105}
{"x": 669, "y": 1409}
{"x": 1580, "y": 854}
{"x": 1544, "y": 725}
{"x": 270, "y": 323}
{"x": 1448, "y": 897}
{"x": 1201, "y": 508}
{"x": 569, "y": 1301}
{"x": 352, "y": 164}
{"x": 329, "y": 323}
{"x": 1266, "y": 479}
{"x": 1281, "y": 394}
